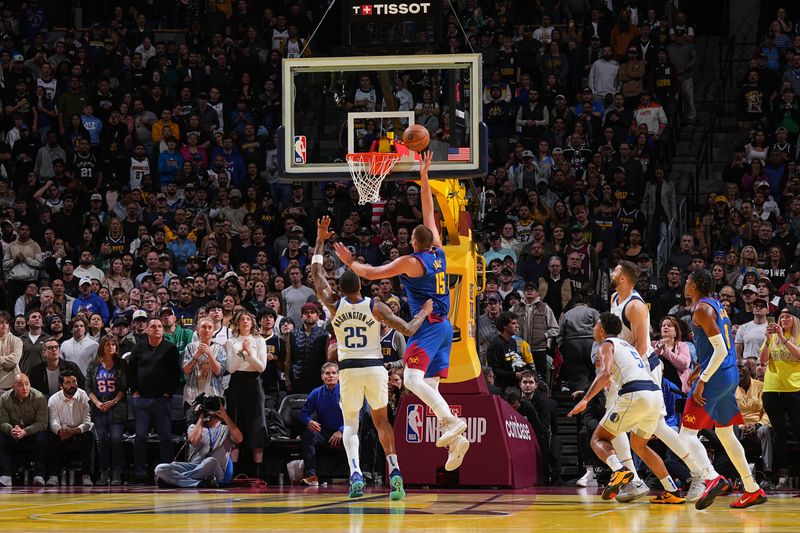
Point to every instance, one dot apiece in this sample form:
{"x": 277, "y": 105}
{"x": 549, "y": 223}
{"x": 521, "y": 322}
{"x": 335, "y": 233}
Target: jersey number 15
{"x": 441, "y": 283}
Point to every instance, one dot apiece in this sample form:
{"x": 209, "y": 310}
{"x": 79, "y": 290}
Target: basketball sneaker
{"x": 396, "y": 483}
{"x": 749, "y": 499}
{"x": 456, "y": 452}
{"x": 633, "y": 491}
{"x": 670, "y": 498}
{"x": 311, "y": 481}
{"x": 356, "y": 485}
{"x": 713, "y": 488}
{"x": 696, "y": 489}
{"x": 452, "y": 427}
{"x": 588, "y": 479}
{"x": 619, "y": 478}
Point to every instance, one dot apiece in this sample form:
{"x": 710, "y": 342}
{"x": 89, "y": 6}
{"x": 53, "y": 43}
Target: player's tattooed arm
{"x": 384, "y": 314}
{"x": 321, "y": 286}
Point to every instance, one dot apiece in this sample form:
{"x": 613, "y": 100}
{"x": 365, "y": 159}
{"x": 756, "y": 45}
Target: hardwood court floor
{"x": 329, "y": 510}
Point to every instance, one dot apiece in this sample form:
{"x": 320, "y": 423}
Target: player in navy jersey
{"x": 427, "y": 356}
{"x": 712, "y": 400}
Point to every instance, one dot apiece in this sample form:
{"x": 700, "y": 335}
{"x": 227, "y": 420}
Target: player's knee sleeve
{"x": 433, "y": 382}
{"x": 414, "y": 379}
{"x": 688, "y": 432}
{"x": 351, "y": 421}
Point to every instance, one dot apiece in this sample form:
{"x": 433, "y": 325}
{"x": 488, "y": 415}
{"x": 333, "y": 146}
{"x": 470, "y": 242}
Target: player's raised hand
{"x": 425, "y": 163}
{"x": 343, "y": 253}
{"x": 579, "y": 408}
{"x": 323, "y": 229}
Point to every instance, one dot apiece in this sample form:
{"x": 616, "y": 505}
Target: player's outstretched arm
{"x": 406, "y": 264}
{"x": 426, "y": 198}
{"x": 605, "y": 362}
{"x": 384, "y": 313}
{"x": 321, "y": 286}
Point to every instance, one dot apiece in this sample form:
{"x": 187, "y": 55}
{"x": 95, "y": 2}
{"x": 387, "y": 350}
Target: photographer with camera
{"x": 211, "y": 440}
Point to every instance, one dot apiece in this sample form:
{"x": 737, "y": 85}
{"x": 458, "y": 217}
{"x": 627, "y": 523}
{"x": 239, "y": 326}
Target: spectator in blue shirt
{"x": 92, "y": 124}
{"x": 182, "y": 248}
{"x": 89, "y": 302}
{"x": 322, "y": 417}
{"x": 234, "y": 162}
{"x": 170, "y": 162}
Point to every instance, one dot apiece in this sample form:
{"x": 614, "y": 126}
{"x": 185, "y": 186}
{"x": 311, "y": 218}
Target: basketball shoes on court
{"x": 619, "y": 478}
{"x": 670, "y": 498}
{"x": 633, "y": 491}
{"x": 713, "y": 488}
{"x": 749, "y": 499}
{"x": 396, "y": 483}
{"x": 696, "y": 489}
{"x": 356, "y": 485}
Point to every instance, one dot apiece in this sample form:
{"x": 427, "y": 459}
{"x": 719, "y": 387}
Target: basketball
{"x": 416, "y": 137}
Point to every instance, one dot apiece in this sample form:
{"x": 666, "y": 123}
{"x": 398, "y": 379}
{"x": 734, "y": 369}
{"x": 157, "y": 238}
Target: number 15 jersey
{"x": 358, "y": 332}
{"x": 431, "y": 285}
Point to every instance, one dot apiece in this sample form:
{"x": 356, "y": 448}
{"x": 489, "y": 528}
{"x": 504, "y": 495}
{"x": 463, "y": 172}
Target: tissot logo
{"x": 413, "y": 8}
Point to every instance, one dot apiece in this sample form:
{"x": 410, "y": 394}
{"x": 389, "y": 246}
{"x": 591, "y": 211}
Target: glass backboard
{"x": 336, "y": 106}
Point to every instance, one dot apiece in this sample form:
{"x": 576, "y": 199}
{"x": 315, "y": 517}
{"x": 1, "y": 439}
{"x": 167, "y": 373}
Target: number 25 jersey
{"x": 358, "y": 332}
{"x": 431, "y": 285}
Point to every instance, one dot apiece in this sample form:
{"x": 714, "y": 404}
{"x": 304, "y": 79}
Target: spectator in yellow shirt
{"x": 157, "y": 131}
{"x": 756, "y": 427}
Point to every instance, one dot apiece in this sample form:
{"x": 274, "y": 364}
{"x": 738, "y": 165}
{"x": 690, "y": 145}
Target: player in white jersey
{"x": 356, "y": 322}
{"x": 630, "y": 308}
{"x": 636, "y": 408}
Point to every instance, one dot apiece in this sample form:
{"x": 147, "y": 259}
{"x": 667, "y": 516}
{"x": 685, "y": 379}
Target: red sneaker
{"x": 713, "y": 489}
{"x": 749, "y": 499}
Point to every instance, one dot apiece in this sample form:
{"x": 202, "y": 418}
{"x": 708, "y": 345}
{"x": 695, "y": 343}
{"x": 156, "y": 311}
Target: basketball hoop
{"x": 368, "y": 170}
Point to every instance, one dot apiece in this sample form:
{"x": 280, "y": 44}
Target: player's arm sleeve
{"x": 720, "y": 351}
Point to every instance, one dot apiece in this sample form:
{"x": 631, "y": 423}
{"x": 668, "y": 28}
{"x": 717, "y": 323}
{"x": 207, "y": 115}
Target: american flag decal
{"x": 458, "y": 154}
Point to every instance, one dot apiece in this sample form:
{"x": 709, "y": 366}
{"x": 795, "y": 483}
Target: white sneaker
{"x": 456, "y": 452}
{"x": 588, "y": 479}
{"x": 38, "y": 481}
{"x": 295, "y": 469}
{"x": 632, "y": 491}
{"x": 783, "y": 483}
{"x": 52, "y": 481}
{"x": 452, "y": 427}
{"x": 86, "y": 481}
{"x": 5, "y": 481}
{"x": 696, "y": 489}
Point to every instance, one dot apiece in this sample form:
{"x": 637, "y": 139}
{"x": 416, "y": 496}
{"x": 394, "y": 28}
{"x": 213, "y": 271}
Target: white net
{"x": 368, "y": 170}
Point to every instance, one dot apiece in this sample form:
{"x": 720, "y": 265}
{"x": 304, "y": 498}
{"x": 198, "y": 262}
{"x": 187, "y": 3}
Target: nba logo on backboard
{"x": 300, "y": 149}
{"x": 414, "y": 423}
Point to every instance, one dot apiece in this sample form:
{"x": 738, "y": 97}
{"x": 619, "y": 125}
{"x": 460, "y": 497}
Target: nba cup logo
{"x": 414, "y": 423}
{"x": 300, "y": 149}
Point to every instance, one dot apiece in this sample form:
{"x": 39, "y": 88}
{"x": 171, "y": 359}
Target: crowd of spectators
{"x": 150, "y": 257}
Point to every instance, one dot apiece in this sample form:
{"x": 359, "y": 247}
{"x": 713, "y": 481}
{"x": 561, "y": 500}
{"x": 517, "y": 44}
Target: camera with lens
{"x": 208, "y": 404}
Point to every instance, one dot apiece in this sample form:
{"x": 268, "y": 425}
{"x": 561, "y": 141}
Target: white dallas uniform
{"x": 638, "y": 403}
{"x": 618, "y": 308}
{"x": 358, "y": 341}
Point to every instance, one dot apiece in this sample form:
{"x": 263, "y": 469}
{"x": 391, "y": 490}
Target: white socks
{"x": 736, "y": 454}
{"x": 391, "y": 460}
{"x": 622, "y": 446}
{"x": 350, "y": 441}
{"x": 416, "y": 382}
{"x": 669, "y": 484}
{"x": 679, "y": 447}
{"x": 613, "y": 462}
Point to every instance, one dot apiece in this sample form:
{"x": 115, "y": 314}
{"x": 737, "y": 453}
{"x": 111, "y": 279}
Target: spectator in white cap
{"x": 138, "y": 327}
{"x": 89, "y": 302}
